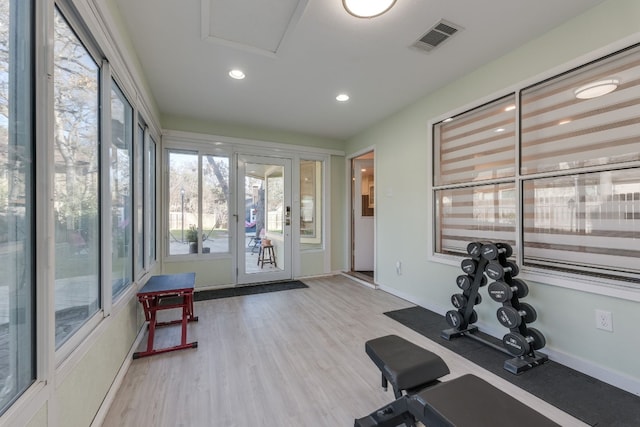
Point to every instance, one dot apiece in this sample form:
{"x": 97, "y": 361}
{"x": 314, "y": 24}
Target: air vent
{"x": 437, "y": 35}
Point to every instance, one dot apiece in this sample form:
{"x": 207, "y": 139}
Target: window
{"x": 215, "y": 204}
{"x": 140, "y": 173}
{"x": 151, "y": 175}
{"x": 586, "y": 215}
{"x": 198, "y": 220}
{"x": 311, "y": 204}
{"x": 574, "y": 192}
{"x": 121, "y": 198}
{"x": 17, "y": 293}
{"x": 474, "y": 153}
{"x": 76, "y": 182}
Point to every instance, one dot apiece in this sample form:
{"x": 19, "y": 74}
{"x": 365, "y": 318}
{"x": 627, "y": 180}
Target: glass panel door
{"x": 264, "y": 219}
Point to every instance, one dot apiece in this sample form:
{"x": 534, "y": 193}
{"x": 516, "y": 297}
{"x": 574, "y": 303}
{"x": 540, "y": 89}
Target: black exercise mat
{"x": 588, "y": 399}
{"x": 248, "y": 290}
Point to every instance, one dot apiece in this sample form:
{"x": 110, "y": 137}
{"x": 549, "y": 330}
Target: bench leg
{"x": 391, "y": 415}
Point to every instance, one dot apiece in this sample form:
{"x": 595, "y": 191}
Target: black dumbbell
{"x": 475, "y": 249}
{"x": 464, "y": 281}
{"x": 510, "y": 317}
{"x": 460, "y": 300}
{"x": 501, "y": 291}
{"x": 492, "y": 250}
{"x": 496, "y": 271}
{"x": 519, "y": 345}
{"x": 469, "y": 265}
{"x": 455, "y": 319}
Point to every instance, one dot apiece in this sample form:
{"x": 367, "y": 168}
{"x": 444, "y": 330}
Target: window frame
{"x": 201, "y": 153}
{"x": 585, "y": 282}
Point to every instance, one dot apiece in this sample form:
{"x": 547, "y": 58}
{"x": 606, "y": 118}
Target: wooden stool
{"x": 266, "y": 255}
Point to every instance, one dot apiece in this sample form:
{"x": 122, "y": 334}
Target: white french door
{"x": 264, "y": 215}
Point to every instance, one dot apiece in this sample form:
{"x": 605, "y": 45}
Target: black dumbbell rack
{"x": 494, "y": 263}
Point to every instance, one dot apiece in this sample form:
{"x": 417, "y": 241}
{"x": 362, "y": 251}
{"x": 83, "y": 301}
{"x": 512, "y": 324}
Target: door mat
{"x": 588, "y": 399}
{"x": 248, "y": 290}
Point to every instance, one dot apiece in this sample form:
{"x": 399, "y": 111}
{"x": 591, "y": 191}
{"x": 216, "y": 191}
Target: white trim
{"x": 175, "y": 136}
{"x": 358, "y": 280}
{"x": 104, "y": 197}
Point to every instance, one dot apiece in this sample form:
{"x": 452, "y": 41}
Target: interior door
{"x": 264, "y": 219}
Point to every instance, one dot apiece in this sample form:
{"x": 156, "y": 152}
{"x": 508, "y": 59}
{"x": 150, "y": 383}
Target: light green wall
{"x": 209, "y": 272}
{"x": 81, "y": 393}
{"x": 40, "y": 418}
{"x": 404, "y": 214}
{"x": 338, "y": 214}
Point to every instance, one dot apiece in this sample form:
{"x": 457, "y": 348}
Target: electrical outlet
{"x": 399, "y": 268}
{"x": 604, "y": 320}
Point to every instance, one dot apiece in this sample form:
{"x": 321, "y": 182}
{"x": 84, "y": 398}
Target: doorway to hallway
{"x": 363, "y": 217}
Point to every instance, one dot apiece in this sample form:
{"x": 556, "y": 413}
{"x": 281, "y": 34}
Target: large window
{"x": 574, "y": 188}
{"x": 17, "y": 308}
{"x": 121, "y": 186}
{"x": 580, "y": 148}
{"x": 198, "y": 217}
{"x": 76, "y": 182}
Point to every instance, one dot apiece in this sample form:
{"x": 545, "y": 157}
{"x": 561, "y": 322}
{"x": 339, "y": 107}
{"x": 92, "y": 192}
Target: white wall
{"x": 403, "y": 176}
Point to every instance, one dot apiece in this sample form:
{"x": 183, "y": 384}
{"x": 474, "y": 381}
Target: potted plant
{"x": 192, "y": 238}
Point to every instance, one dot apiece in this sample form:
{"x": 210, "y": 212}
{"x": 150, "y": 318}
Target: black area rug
{"x": 588, "y": 399}
{"x": 248, "y": 290}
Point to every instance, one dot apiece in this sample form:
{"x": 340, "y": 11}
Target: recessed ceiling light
{"x": 236, "y": 74}
{"x": 499, "y": 130}
{"x": 367, "y": 8}
{"x": 564, "y": 122}
{"x": 342, "y": 97}
{"x": 510, "y": 108}
{"x": 596, "y": 89}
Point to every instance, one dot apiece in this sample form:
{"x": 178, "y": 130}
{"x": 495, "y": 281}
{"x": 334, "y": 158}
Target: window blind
{"x": 477, "y": 145}
{"x": 469, "y": 214}
{"x": 560, "y": 131}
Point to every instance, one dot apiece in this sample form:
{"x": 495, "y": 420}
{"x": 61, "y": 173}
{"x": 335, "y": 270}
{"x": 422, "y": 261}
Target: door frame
{"x": 284, "y": 258}
{"x": 349, "y": 261}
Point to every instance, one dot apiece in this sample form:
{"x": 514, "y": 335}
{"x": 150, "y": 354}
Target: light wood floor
{"x": 291, "y": 358}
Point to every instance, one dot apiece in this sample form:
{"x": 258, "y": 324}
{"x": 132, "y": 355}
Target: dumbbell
{"x": 469, "y": 265}
{"x": 519, "y": 345}
{"x": 492, "y": 250}
{"x": 501, "y": 291}
{"x": 460, "y": 301}
{"x": 455, "y": 318}
{"x": 475, "y": 248}
{"x": 510, "y": 317}
{"x": 496, "y": 271}
{"x": 464, "y": 281}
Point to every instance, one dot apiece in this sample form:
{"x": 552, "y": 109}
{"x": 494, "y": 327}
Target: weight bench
{"x": 467, "y": 401}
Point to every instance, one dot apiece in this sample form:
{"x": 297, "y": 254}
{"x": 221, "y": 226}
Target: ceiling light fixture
{"x": 510, "y": 108}
{"x": 499, "y": 130}
{"x": 367, "y": 8}
{"x": 343, "y": 97}
{"x": 596, "y": 89}
{"x": 236, "y": 74}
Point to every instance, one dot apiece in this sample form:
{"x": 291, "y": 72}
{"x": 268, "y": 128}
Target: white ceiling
{"x": 299, "y": 54}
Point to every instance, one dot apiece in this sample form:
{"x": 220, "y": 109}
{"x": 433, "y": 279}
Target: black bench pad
{"x": 469, "y": 401}
{"x": 405, "y": 365}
